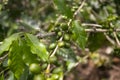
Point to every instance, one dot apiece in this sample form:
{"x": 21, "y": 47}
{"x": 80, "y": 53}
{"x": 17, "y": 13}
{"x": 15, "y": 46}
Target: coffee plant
{"x": 47, "y": 39}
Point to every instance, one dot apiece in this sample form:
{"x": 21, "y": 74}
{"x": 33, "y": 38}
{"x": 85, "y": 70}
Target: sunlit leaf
{"x": 1, "y": 77}
{"x": 27, "y": 56}
{"x": 37, "y": 47}
{"x": 11, "y": 76}
{"x": 7, "y": 42}
{"x": 79, "y": 34}
{"x": 70, "y": 64}
{"x": 16, "y": 63}
{"x": 67, "y": 54}
{"x": 61, "y": 75}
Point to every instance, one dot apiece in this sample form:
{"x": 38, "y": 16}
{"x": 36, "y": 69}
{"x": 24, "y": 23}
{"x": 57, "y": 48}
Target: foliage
{"x": 54, "y": 35}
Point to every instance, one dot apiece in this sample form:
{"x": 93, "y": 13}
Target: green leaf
{"x": 7, "y": 42}
{"x": 70, "y": 64}
{"x": 69, "y": 56}
{"x": 28, "y": 57}
{"x": 79, "y": 34}
{"x": 11, "y": 76}
{"x": 1, "y": 6}
{"x": 37, "y": 47}
{"x": 96, "y": 41}
{"x": 16, "y": 63}
{"x": 61, "y": 75}
{"x": 25, "y": 74}
{"x": 1, "y": 77}
{"x": 65, "y": 10}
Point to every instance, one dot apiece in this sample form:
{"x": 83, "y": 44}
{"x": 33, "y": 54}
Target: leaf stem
{"x": 79, "y": 8}
{"x": 76, "y": 12}
{"x": 2, "y": 58}
{"x": 53, "y": 53}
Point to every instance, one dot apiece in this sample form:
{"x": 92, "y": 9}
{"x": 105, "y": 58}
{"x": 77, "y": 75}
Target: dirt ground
{"x": 89, "y": 71}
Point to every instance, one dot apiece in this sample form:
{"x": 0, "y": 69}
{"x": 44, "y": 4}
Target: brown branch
{"x": 101, "y": 30}
{"x": 69, "y": 22}
{"x": 2, "y": 58}
{"x": 91, "y": 25}
{"x": 41, "y": 35}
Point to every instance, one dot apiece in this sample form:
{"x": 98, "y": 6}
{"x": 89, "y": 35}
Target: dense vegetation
{"x": 59, "y": 40}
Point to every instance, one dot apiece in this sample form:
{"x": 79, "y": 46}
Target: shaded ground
{"x": 90, "y": 71}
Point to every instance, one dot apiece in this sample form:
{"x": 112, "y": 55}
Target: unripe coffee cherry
{"x": 34, "y": 68}
{"x": 61, "y": 43}
{"x": 59, "y": 33}
{"x": 53, "y": 59}
{"x": 52, "y": 46}
{"x": 66, "y": 37}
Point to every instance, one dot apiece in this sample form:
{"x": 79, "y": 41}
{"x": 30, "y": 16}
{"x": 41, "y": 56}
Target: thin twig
{"x": 41, "y": 35}
{"x": 48, "y": 68}
{"x": 96, "y": 15}
{"x": 91, "y": 25}
{"x": 3, "y": 71}
{"x": 80, "y": 7}
{"x": 58, "y": 19}
{"x": 53, "y": 53}
{"x": 2, "y": 58}
{"x": 115, "y": 35}
{"x": 84, "y": 58}
{"x": 76, "y": 12}
{"x": 116, "y": 38}
{"x": 105, "y": 10}
{"x": 109, "y": 39}
{"x": 101, "y": 30}
{"x": 69, "y": 22}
